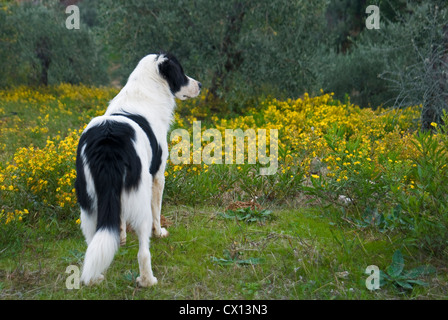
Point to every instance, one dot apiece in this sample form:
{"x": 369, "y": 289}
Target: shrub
{"x": 237, "y": 49}
{"x": 423, "y": 37}
{"x": 37, "y": 48}
{"x": 40, "y": 181}
{"x": 36, "y": 182}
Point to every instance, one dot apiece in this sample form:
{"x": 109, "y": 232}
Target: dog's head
{"x": 181, "y": 86}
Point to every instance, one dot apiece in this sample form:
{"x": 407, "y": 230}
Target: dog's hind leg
{"x": 146, "y": 277}
{"x": 156, "y": 204}
{"x": 139, "y": 202}
{"x": 122, "y": 232}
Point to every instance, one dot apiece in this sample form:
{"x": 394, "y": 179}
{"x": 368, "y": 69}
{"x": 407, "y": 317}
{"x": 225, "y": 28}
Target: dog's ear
{"x": 171, "y": 70}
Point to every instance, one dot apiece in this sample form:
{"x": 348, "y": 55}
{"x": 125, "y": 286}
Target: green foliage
{"x": 408, "y": 196}
{"x": 397, "y": 276}
{"x": 345, "y": 20}
{"x": 235, "y": 48}
{"x": 37, "y": 48}
{"x": 248, "y": 214}
{"x": 355, "y": 73}
{"x": 230, "y": 259}
{"x": 403, "y": 63}
{"x": 419, "y": 75}
{"x": 426, "y": 207}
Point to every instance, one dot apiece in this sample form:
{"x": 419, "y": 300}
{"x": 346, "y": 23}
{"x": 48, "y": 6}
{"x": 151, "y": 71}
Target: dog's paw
{"x": 146, "y": 282}
{"x": 122, "y": 241}
{"x": 163, "y": 233}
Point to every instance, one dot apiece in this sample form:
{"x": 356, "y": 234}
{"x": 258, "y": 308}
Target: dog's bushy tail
{"x": 104, "y": 244}
{"x": 114, "y": 166}
{"x": 99, "y": 255}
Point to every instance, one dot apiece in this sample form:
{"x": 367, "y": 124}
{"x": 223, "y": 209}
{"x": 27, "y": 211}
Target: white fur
{"x": 147, "y": 94}
{"x": 99, "y": 255}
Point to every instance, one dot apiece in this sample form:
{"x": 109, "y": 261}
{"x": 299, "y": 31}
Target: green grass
{"x": 297, "y": 255}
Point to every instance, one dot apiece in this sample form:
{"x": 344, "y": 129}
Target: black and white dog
{"x": 121, "y": 162}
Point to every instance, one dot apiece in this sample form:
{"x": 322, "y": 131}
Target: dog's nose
{"x": 200, "y": 85}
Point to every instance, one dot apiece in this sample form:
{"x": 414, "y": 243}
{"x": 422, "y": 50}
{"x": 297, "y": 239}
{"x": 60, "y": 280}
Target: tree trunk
{"x": 437, "y": 99}
{"x": 234, "y": 57}
{"x": 43, "y": 53}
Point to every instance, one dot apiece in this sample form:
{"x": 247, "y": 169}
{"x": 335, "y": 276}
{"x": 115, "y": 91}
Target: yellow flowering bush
{"x": 31, "y": 116}
{"x": 316, "y": 135}
{"x": 40, "y": 177}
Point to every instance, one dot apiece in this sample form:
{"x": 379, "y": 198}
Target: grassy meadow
{"x": 353, "y": 188}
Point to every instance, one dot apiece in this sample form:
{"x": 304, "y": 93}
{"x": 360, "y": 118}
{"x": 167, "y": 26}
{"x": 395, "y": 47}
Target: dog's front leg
{"x": 156, "y": 205}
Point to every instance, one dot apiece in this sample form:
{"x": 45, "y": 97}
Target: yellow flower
{"x": 434, "y": 124}
{"x": 315, "y": 176}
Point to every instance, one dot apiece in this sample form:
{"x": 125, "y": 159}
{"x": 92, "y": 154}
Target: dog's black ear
{"x": 172, "y": 71}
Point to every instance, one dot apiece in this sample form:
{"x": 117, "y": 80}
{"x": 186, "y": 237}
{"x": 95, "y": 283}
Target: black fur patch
{"x": 156, "y": 160}
{"x": 113, "y": 163}
{"x": 173, "y": 73}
